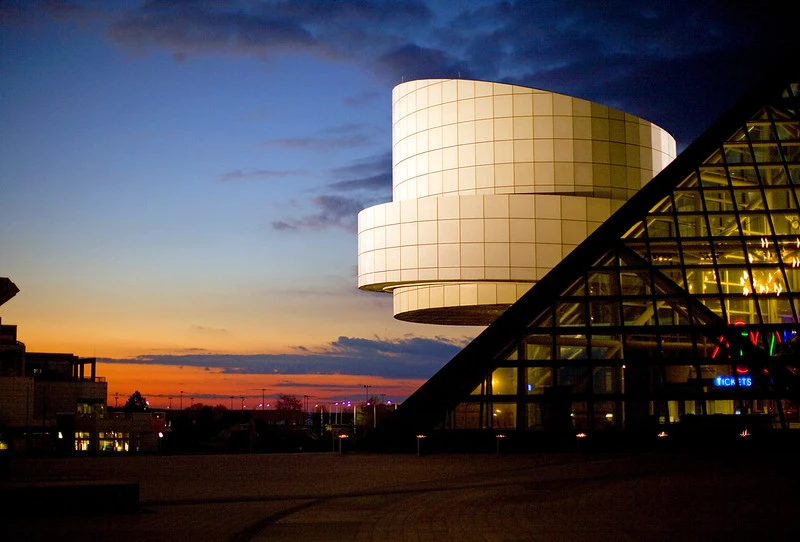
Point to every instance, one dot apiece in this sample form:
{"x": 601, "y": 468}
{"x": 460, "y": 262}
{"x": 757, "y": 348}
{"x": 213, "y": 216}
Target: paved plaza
{"x": 355, "y": 497}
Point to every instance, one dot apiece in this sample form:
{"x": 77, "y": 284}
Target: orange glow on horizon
{"x": 213, "y": 386}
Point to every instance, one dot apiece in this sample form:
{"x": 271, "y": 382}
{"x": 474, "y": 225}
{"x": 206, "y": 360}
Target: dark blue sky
{"x": 182, "y": 177}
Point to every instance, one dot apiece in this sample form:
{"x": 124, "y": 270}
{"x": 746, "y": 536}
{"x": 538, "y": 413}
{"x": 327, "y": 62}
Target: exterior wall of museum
{"x": 493, "y": 184}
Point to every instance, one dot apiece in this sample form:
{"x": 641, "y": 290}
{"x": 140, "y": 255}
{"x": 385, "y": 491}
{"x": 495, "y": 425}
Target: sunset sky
{"x": 179, "y": 181}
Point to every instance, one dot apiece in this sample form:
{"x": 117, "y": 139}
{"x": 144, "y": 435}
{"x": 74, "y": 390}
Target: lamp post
{"x": 116, "y": 398}
{"x": 242, "y": 402}
{"x": 367, "y": 387}
{"x": 262, "y": 398}
{"x": 181, "y": 404}
{"x": 170, "y": 402}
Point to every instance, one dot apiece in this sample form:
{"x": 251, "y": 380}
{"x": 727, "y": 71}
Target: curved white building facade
{"x": 493, "y": 184}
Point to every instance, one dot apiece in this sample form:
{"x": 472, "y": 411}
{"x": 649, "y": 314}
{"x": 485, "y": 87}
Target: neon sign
{"x": 772, "y": 339}
{"x": 731, "y": 381}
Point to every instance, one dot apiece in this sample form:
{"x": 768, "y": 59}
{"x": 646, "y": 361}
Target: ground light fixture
{"x": 498, "y": 437}
{"x": 341, "y": 441}
{"x": 419, "y": 443}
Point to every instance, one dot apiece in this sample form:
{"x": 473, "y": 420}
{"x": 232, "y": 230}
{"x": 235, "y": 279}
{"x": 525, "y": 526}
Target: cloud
{"x": 331, "y": 212}
{"x": 194, "y": 28}
{"x": 345, "y": 136}
{"x": 411, "y": 61}
{"x": 207, "y": 330}
{"x": 407, "y": 357}
{"x": 359, "y": 185}
{"x": 635, "y": 54}
{"x": 258, "y": 174}
{"x": 363, "y": 98}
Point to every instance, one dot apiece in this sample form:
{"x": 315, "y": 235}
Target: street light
{"x": 181, "y": 399}
{"x": 242, "y": 402}
{"x": 262, "y": 398}
{"x": 170, "y": 402}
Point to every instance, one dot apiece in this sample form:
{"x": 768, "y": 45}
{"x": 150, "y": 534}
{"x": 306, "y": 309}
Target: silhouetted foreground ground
{"x": 353, "y": 497}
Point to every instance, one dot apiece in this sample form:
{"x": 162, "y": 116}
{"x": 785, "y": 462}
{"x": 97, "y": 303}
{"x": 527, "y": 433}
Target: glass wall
{"x": 680, "y": 317}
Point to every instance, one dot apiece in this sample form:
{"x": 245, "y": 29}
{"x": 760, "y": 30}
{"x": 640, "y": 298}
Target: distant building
{"x": 493, "y": 184}
{"x": 56, "y": 402}
{"x": 680, "y": 311}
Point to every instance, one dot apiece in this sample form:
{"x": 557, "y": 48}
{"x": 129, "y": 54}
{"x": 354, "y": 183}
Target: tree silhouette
{"x": 135, "y": 403}
{"x": 288, "y": 402}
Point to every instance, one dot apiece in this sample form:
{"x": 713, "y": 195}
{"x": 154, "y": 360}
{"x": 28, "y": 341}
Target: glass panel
{"x": 781, "y": 199}
{"x": 603, "y": 283}
{"x": 606, "y": 416}
{"x": 580, "y": 416}
{"x": 688, "y": 201}
{"x": 571, "y": 347}
{"x": 577, "y": 289}
{"x": 479, "y": 389}
{"x": 540, "y": 379}
{"x": 737, "y": 153}
{"x": 606, "y": 379}
{"x": 571, "y": 314}
{"x": 776, "y": 310}
{"x": 672, "y": 312}
{"x": 748, "y": 199}
{"x": 467, "y": 416}
{"x": 635, "y": 283}
{"x": 677, "y": 346}
{"x": 680, "y": 378}
{"x": 641, "y": 346}
{"x": 574, "y": 377}
{"x": 714, "y": 304}
{"x": 742, "y": 177}
{"x": 604, "y": 313}
{"x": 723, "y": 225}
{"x": 675, "y": 275}
{"x": 638, "y": 312}
{"x": 791, "y": 151}
{"x": 713, "y": 177}
{"x": 504, "y": 381}
{"x": 719, "y": 406}
{"x": 660, "y": 226}
{"x": 766, "y": 152}
{"x": 539, "y": 347}
{"x": 741, "y": 309}
{"x": 692, "y": 226}
{"x": 664, "y": 252}
{"x": 504, "y": 415}
{"x": 606, "y": 347}
{"x": 752, "y": 224}
{"x": 729, "y": 251}
{"x": 760, "y": 131}
{"x": 718, "y": 200}
{"x": 773, "y": 175}
{"x": 535, "y": 418}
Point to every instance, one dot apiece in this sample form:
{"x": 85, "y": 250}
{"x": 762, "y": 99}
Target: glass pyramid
{"x": 682, "y": 308}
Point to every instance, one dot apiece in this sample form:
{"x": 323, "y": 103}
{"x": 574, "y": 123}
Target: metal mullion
{"x": 738, "y": 218}
{"x": 710, "y": 240}
{"x": 771, "y": 235}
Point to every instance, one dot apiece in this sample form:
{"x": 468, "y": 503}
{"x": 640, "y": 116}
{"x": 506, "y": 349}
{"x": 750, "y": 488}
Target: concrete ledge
{"x": 54, "y": 498}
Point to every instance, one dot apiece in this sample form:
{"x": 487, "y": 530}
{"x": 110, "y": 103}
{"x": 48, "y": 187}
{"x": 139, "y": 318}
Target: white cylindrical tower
{"x": 493, "y": 184}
